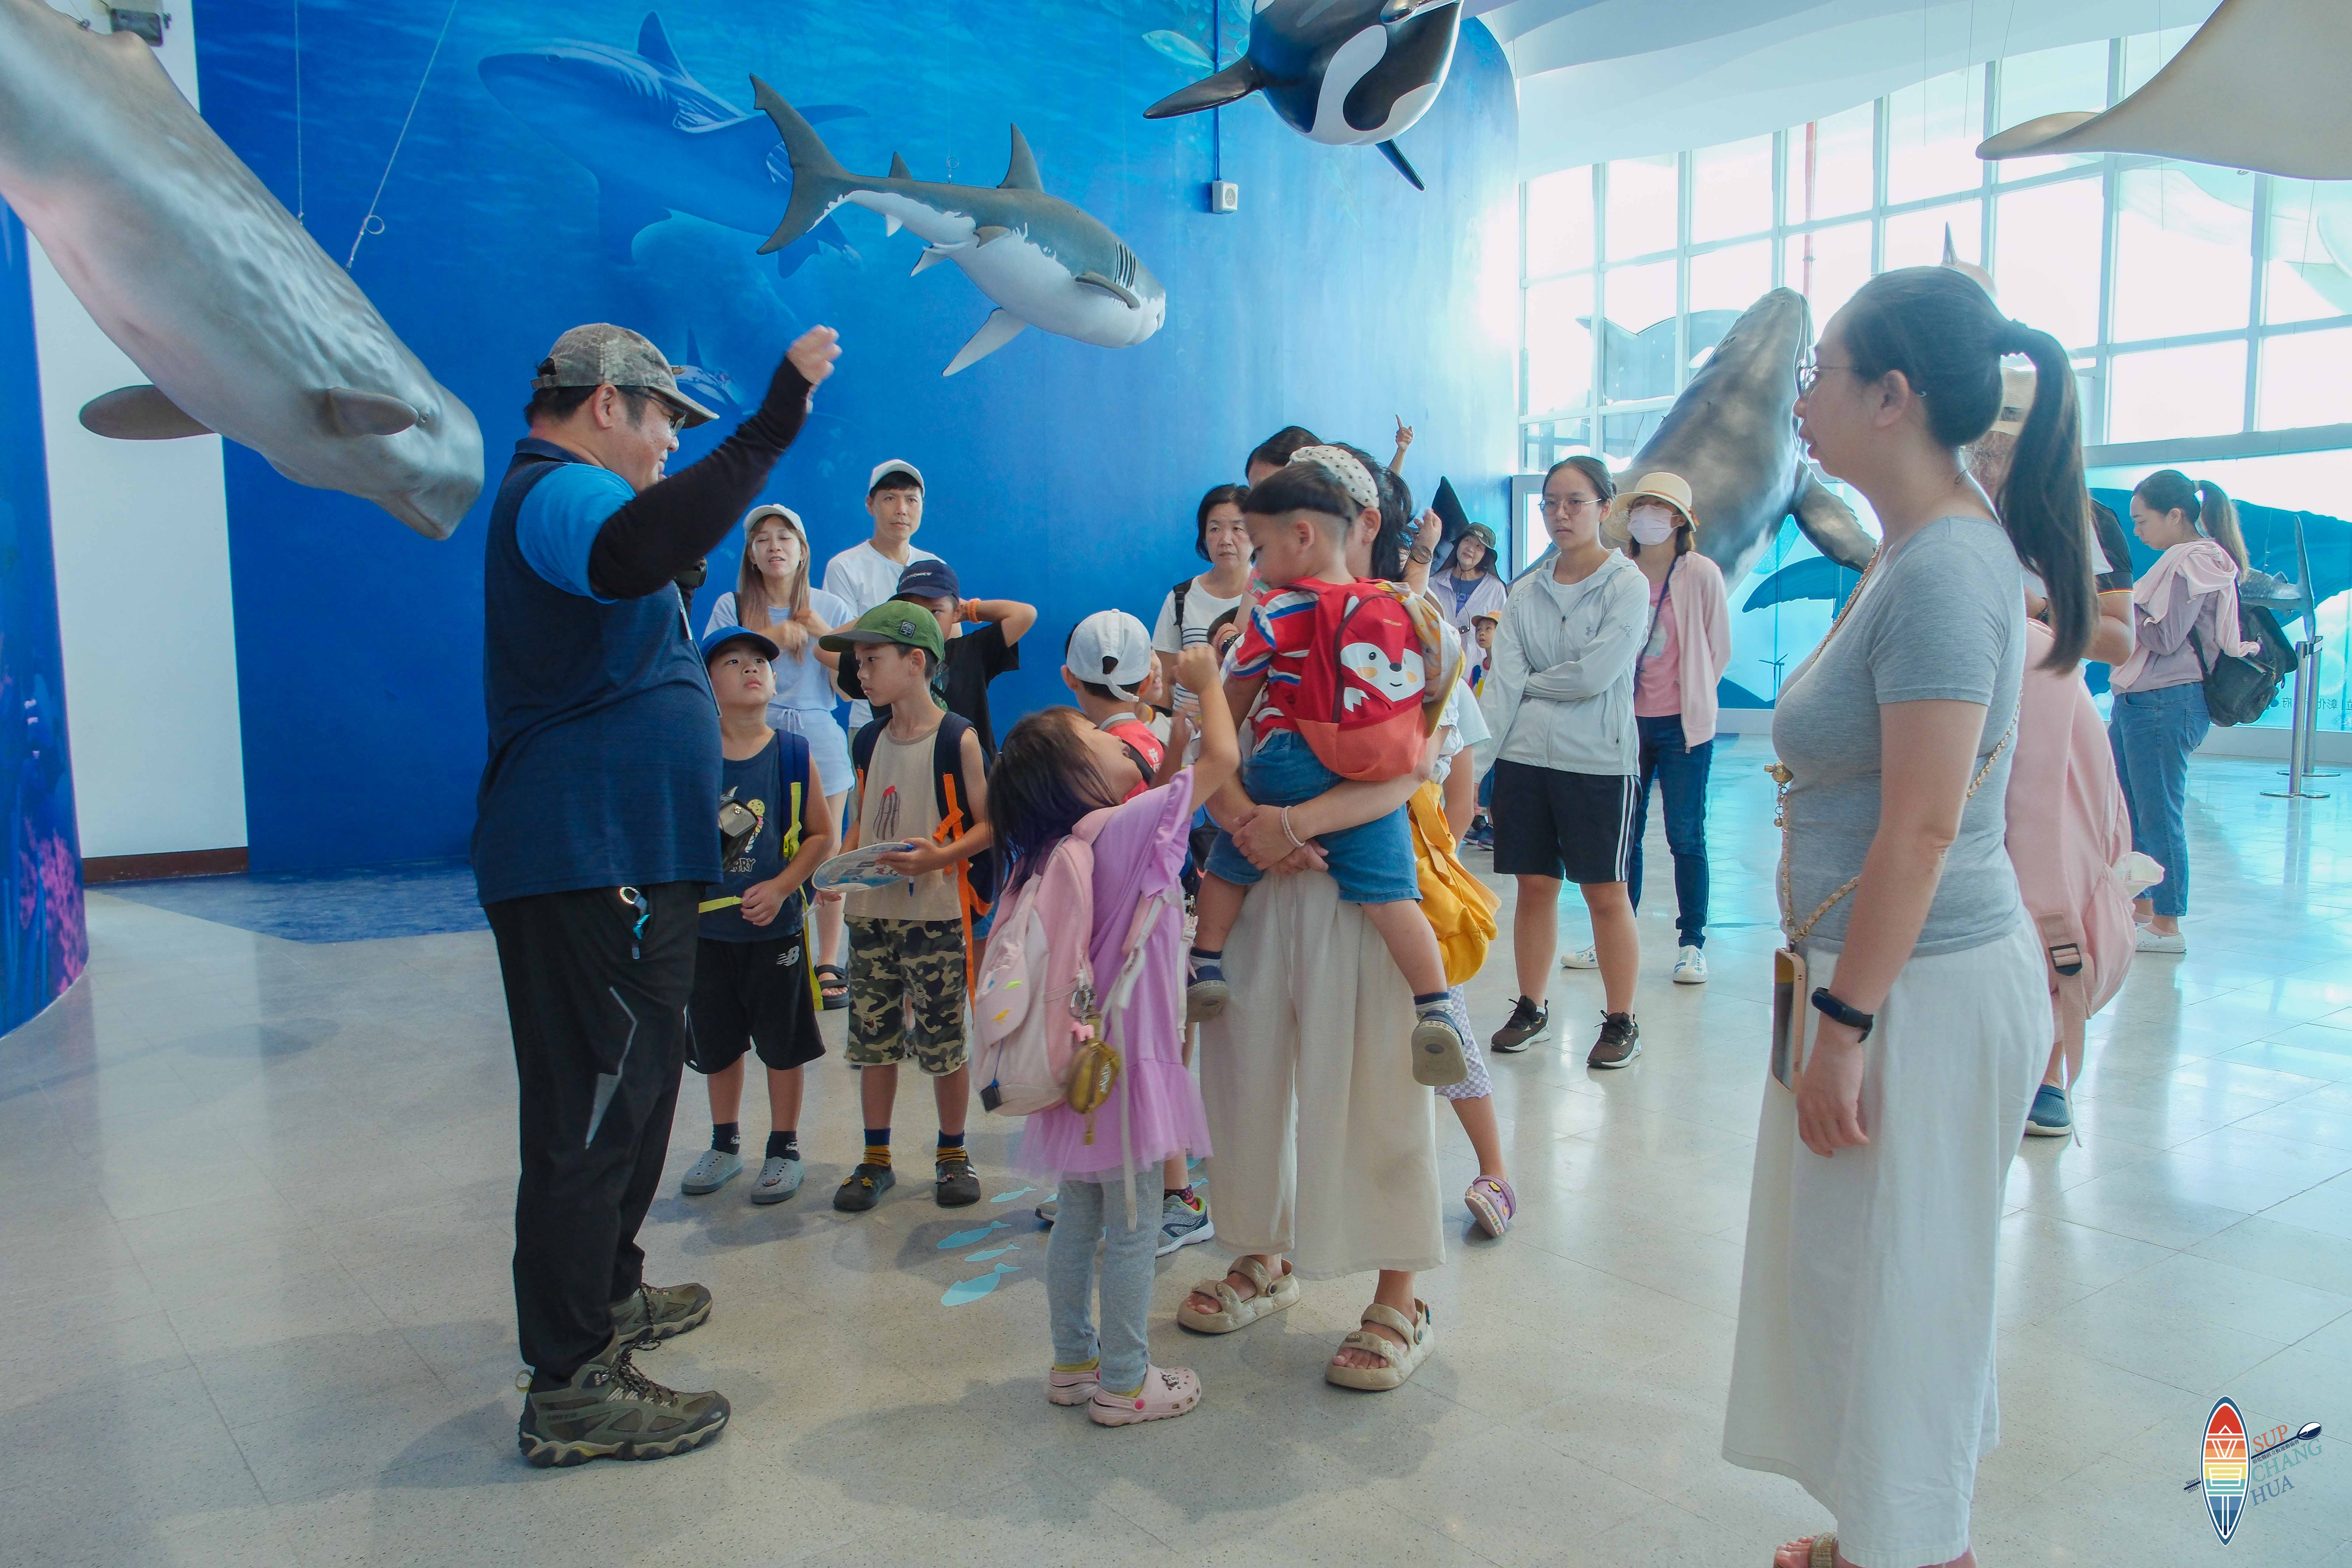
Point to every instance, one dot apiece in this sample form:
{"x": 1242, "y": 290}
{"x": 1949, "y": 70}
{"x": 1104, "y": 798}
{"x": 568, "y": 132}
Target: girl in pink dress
{"x": 1054, "y": 770}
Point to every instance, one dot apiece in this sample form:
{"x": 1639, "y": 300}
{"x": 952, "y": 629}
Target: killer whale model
{"x": 183, "y": 258}
{"x": 1042, "y": 261}
{"x": 656, "y": 141}
{"x": 1342, "y": 72}
{"x": 1733, "y": 434}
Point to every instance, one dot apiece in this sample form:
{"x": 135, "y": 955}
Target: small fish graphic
{"x": 993, "y": 1252}
{"x": 1015, "y": 1193}
{"x": 1180, "y": 48}
{"x": 966, "y": 1237}
{"x": 965, "y": 1291}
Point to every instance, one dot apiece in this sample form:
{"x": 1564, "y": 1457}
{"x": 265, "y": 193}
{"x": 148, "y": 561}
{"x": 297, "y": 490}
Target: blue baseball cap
{"x": 718, "y": 638}
{"x": 928, "y": 580}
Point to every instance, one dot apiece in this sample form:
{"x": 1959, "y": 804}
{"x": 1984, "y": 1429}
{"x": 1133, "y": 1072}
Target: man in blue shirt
{"x": 597, "y": 829}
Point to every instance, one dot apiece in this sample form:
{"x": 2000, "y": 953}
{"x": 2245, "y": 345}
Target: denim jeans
{"x": 2152, "y": 734}
{"x": 1092, "y": 1212}
{"x": 1681, "y": 772}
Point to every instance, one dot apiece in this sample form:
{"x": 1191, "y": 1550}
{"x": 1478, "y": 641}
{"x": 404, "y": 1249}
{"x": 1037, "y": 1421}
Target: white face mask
{"x": 1652, "y": 524}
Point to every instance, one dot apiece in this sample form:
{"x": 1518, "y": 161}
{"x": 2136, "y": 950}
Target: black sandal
{"x": 831, "y": 986}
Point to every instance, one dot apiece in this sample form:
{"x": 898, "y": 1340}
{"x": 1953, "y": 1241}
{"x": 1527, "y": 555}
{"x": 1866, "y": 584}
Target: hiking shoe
{"x": 713, "y": 1171}
{"x": 780, "y": 1178}
{"x": 1437, "y": 1057}
{"x": 1527, "y": 1023}
{"x": 1619, "y": 1041}
{"x": 2150, "y": 940}
{"x": 865, "y": 1188}
{"x": 1182, "y": 1222}
{"x": 1690, "y": 966}
{"x": 2051, "y": 1116}
{"x": 1204, "y": 999}
{"x": 1582, "y": 958}
{"x": 1166, "y": 1392}
{"x": 611, "y": 1410}
{"x": 660, "y": 1312}
{"x": 959, "y": 1184}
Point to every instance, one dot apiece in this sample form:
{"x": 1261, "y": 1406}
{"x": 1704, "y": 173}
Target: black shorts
{"x": 754, "y": 994}
{"x": 1579, "y": 827}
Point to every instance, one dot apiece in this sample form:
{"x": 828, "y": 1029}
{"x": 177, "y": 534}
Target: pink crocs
{"x": 1492, "y": 1203}
{"x": 1071, "y": 1387}
{"x": 1166, "y": 1392}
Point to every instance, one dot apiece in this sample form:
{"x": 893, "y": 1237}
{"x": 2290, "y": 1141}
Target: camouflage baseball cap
{"x": 600, "y": 353}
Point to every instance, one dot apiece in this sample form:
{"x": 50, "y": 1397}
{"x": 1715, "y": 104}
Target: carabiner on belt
{"x": 631, "y": 896}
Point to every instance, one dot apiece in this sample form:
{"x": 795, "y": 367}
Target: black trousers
{"x": 599, "y": 1041}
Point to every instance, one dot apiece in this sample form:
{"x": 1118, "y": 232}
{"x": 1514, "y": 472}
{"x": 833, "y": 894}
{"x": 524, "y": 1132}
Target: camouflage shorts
{"x": 906, "y": 995}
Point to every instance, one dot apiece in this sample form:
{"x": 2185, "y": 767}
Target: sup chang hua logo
{"x": 2239, "y": 1469}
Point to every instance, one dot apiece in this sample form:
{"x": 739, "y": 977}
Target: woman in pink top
{"x": 1686, "y": 651}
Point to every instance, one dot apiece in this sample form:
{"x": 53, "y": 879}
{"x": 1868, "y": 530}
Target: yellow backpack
{"x": 1460, "y": 907}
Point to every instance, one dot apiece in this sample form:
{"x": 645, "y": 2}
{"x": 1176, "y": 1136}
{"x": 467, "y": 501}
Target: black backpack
{"x": 947, "y": 791}
{"x": 2241, "y": 691}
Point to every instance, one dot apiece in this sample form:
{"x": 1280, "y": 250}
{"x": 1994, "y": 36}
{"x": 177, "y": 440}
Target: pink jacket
{"x": 1703, "y": 631}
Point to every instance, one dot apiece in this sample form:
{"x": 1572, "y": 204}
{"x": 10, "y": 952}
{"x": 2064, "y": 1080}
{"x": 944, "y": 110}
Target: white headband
{"x": 1346, "y": 468}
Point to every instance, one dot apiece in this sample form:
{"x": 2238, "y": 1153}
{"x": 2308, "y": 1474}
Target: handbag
{"x": 2241, "y": 691}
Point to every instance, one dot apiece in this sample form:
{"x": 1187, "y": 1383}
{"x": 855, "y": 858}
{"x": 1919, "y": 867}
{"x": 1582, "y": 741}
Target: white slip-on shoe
{"x": 1582, "y": 958}
{"x": 1690, "y": 966}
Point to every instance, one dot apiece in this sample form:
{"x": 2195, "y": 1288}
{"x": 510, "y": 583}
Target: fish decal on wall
{"x": 244, "y": 326}
{"x": 1043, "y": 262}
{"x": 656, "y": 141}
{"x": 1343, "y": 72}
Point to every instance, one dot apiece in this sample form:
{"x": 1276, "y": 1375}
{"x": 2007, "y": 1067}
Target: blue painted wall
{"x": 43, "y": 943}
{"x": 1338, "y": 298}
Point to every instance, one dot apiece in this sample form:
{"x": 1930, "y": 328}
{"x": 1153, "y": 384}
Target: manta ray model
{"x": 192, "y": 268}
{"x": 1342, "y": 72}
{"x": 656, "y": 141}
{"x": 1042, "y": 261}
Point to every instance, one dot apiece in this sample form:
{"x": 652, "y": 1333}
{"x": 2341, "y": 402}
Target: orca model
{"x": 183, "y": 258}
{"x": 1342, "y": 72}
{"x": 1042, "y": 261}
{"x": 656, "y": 141}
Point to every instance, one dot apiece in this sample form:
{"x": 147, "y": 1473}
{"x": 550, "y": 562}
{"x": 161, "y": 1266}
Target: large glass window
{"x": 2184, "y": 251}
{"x": 1932, "y": 132}
{"x": 1731, "y": 190}
{"x": 2044, "y": 244}
{"x": 1559, "y": 222}
{"x": 1644, "y": 209}
{"x": 2166, "y": 394}
{"x": 2306, "y": 379}
{"x": 2050, "y": 82}
{"x": 1830, "y": 173}
{"x": 1560, "y": 343}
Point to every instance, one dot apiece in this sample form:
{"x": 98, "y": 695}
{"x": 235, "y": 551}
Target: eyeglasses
{"x": 1808, "y": 372}
{"x": 1573, "y": 503}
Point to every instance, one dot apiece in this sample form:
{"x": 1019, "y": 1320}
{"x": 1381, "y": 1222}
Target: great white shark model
{"x": 183, "y": 258}
{"x": 1346, "y": 73}
{"x": 655, "y": 139}
{"x": 1044, "y": 262}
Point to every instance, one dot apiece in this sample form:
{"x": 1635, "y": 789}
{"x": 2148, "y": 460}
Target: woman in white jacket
{"x": 1560, "y": 698}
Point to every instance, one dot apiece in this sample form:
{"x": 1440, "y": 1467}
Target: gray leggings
{"x": 1092, "y": 1212}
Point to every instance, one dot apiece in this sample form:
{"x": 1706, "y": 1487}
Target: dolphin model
{"x": 1342, "y": 72}
{"x": 1042, "y": 261}
{"x": 185, "y": 261}
{"x": 655, "y": 139}
{"x": 1733, "y": 434}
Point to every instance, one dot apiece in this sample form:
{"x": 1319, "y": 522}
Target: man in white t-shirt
{"x": 866, "y": 572}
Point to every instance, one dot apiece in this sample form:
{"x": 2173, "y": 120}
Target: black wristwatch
{"x": 1852, "y": 1017}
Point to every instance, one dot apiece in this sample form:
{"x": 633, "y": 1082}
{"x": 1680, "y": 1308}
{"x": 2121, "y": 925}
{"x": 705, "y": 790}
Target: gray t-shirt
{"x": 1943, "y": 617}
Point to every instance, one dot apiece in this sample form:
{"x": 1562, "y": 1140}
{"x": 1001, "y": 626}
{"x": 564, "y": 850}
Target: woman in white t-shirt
{"x": 1193, "y": 606}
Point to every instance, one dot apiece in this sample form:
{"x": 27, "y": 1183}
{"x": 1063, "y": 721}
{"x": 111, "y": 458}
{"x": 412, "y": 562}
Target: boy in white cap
{"x": 867, "y": 571}
{"x": 1109, "y": 667}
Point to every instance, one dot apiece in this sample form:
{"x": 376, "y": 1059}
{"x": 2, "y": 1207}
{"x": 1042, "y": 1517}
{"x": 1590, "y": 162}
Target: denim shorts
{"x": 1372, "y": 862}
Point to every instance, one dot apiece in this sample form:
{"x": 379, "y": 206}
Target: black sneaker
{"x": 1528, "y": 1022}
{"x": 958, "y": 1183}
{"x": 1619, "y": 1041}
{"x": 611, "y": 1410}
{"x": 865, "y": 1188}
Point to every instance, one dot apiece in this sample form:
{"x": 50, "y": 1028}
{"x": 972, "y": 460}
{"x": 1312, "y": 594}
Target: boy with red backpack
{"x": 1345, "y": 683}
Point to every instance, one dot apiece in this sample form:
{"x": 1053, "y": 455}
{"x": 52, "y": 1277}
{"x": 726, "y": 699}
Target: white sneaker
{"x": 1582, "y": 958}
{"x": 2150, "y": 940}
{"x": 1690, "y": 967}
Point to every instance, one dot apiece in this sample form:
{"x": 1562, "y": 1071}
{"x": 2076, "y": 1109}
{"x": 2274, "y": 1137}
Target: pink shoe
{"x": 1071, "y": 1387}
{"x": 1492, "y": 1203}
{"x": 1166, "y": 1392}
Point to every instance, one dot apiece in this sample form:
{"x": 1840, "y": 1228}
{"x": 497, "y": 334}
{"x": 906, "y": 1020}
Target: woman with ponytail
{"x": 1864, "y": 1361}
{"x": 2184, "y": 617}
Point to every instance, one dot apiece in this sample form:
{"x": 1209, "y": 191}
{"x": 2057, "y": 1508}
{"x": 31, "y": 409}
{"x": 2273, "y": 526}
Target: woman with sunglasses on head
{"x": 1863, "y": 1366}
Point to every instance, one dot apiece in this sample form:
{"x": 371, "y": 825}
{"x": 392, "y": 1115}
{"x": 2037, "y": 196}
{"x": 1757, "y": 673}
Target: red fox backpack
{"x": 1378, "y": 665}
{"x": 975, "y": 877}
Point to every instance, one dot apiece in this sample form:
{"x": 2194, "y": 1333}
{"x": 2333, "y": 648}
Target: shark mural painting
{"x": 656, "y": 141}
{"x": 1042, "y": 261}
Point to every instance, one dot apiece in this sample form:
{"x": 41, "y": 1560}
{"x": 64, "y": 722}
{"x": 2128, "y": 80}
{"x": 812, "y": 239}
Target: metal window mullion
{"x": 1777, "y": 230}
{"x": 2256, "y": 301}
{"x": 1882, "y": 140}
{"x": 1684, "y": 178}
{"x": 2103, "y": 357}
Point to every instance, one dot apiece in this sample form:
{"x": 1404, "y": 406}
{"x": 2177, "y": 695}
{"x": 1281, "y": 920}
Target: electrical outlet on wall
{"x": 1225, "y": 196}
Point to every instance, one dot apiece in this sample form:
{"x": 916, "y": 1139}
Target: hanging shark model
{"x": 656, "y": 141}
{"x": 192, "y": 268}
{"x": 1042, "y": 261}
{"x": 1342, "y": 72}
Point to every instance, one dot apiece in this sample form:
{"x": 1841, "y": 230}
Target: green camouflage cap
{"x": 602, "y": 354}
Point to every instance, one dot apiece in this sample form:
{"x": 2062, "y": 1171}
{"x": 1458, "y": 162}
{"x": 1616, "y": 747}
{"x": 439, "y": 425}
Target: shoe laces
{"x": 1524, "y": 1012}
{"x": 635, "y": 1383}
{"x": 1616, "y": 1026}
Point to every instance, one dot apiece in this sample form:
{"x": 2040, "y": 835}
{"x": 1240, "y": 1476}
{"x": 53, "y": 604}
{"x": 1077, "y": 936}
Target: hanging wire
{"x": 364, "y": 229}
{"x": 300, "y": 205}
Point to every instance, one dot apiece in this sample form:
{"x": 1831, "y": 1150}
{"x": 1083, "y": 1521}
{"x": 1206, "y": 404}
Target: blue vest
{"x": 605, "y": 760}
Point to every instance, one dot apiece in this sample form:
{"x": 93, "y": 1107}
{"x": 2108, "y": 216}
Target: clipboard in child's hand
{"x": 861, "y": 867}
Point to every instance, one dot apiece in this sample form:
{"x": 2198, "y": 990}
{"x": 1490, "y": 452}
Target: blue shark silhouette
{"x": 707, "y": 385}
{"x": 657, "y": 140}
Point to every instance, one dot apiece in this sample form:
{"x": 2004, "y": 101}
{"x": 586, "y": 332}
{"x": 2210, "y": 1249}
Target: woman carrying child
{"x": 1056, "y": 771}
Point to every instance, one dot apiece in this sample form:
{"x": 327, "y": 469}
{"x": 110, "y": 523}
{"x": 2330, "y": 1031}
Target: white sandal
{"x": 1237, "y": 1311}
{"x": 1398, "y": 1362}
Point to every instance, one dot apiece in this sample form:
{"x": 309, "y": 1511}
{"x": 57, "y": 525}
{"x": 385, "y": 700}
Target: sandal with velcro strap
{"x": 1236, "y": 1310}
{"x": 1398, "y": 1362}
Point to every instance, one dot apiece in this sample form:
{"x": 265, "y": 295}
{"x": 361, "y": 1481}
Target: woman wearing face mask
{"x": 2184, "y": 617}
{"x": 773, "y": 594}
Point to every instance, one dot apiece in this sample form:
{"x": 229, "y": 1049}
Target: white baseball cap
{"x": 1110, "y": 647}
{"x": 895, "y": 466}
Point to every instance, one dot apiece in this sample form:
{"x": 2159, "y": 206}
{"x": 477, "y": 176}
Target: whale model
{"x": 656, "y": 141}
{"x": 1044, "y": 262}
{"x": 1733, "y": 434}
{"x": 1343, "y": 72}
{"x": 183, "y": 258}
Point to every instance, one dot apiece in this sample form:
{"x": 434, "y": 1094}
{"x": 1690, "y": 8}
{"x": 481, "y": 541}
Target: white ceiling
{"x": 1611, "y": 79}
